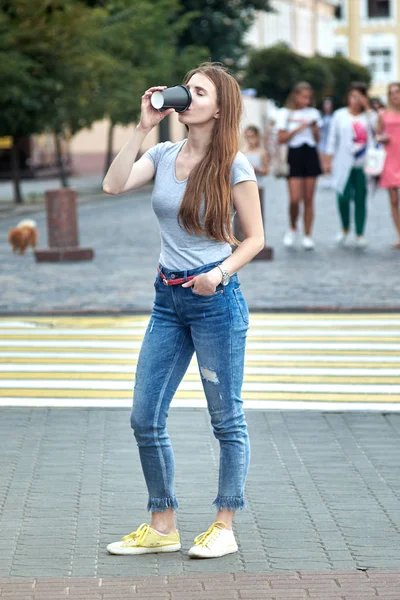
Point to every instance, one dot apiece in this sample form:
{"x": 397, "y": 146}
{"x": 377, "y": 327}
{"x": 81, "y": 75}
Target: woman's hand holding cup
{"x": 149, "y": 116}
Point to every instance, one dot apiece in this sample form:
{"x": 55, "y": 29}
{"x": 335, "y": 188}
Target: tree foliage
{"x": 275, "y": 70}
{"x": 221, "y": 26}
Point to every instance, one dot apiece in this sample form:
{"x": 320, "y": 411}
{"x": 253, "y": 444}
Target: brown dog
{"x": 23, "y": 235}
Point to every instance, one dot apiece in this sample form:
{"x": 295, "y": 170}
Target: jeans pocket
{"x": 242, "y": 304}
{"x": 216, "y": 293}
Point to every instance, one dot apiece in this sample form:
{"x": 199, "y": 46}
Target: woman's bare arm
{"x": 246, "y": 200}
{"x": 124, "y": 173}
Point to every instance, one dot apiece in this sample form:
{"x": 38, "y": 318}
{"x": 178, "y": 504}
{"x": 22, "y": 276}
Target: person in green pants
{"x": 346, "y": 150}
{"x": 356, "y": 189}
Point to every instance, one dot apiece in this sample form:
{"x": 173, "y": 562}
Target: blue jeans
{"x": 215, "y": 327}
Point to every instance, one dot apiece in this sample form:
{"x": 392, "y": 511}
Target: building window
{"x": 339, "y": 10}
{"x": 378, "y": 9}
{"x": 380, "y": 63}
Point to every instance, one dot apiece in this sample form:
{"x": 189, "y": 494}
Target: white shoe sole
{"x": 194, "y": 554}
{"x": 142, "y": 550}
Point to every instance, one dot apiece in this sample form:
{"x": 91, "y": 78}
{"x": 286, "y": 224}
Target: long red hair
{"x": 210, "y": 179}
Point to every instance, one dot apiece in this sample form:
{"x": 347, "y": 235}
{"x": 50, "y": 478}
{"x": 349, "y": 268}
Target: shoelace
{"x": 139, "y": 535}
{"x": 204, "y": 538}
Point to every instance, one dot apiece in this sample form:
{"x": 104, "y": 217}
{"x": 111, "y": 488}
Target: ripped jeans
{"x": 215, "y": 327}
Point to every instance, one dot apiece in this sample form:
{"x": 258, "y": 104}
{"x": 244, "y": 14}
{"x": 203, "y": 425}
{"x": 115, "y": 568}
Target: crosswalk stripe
{"x": 129, "y": 334}
{"x": 256, "y": 358}
{"x": 259, "y": 345}
{"x": 116, "y": 320}
{"x": 196, "y": 385}
{"x": 292, "y": 361}
{"x": 115, "y": 394}
{"x": 271, "y": 404}
{"x": 93, "y": 371}
{"x": 47, "y": 376}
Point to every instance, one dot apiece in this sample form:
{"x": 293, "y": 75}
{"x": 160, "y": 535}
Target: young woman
{"x": 199, "y": 183}
{"x": 258, "y": 158}
{"x": 298, "y": 127}
{"x": 349, "y": 135}
{"x": 388, "y": 133}
{"x": 256, "y": 155}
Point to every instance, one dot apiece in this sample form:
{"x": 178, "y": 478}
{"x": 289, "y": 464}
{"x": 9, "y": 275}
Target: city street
{"x": 124, "y": 234}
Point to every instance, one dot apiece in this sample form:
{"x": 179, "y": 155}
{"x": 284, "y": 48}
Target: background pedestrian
{"x": 388, "y": 133}
{"x": 350, "y": 132}
{"x": 257, "y": 156}
{"x": 298, "y": 126}
{"x": 326, "y": 118}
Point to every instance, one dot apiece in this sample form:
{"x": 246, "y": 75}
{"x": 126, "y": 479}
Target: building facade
{"x": 368, "y": 32}
{"x": 306, "y": 26}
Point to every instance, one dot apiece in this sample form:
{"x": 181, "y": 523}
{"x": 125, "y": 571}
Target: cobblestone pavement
{"x": 341, "y": 585}
{"x": 323, "y": 494}
{"x": 124, "y": 234}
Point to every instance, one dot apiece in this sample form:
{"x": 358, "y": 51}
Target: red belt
{"x": 173, "y": 281}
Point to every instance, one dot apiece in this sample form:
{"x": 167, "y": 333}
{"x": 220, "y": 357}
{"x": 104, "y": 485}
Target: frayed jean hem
{"x": 162, "y": 504}
{"x": 229, "y": 502}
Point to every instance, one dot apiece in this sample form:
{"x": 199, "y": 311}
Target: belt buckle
{"x": 165, "y": 281}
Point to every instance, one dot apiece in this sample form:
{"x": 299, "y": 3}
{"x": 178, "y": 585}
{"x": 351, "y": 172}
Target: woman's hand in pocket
{"x": 205, "y": 284}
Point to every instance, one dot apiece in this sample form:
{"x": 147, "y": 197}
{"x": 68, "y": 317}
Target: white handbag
{"x": 374, "y": 161}
{"x": 281, "y": 168}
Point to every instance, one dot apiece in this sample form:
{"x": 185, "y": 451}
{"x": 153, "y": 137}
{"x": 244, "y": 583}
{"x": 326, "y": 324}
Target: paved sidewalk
{"x": 340, "y": 585}
{"x": 323, "y": 493}
{"x": 32, "y": 189}
{"x": 125, "y": 237}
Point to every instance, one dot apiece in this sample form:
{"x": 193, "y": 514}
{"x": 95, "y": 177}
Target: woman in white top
{"x": 349, "y": 135}
{"x": 298, "y": 127}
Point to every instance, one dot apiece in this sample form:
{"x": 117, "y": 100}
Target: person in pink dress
{"x": 388, "y": 133}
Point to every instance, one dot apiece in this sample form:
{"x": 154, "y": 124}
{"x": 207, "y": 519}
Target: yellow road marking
{"x": 292, "y": 396}
{"x": 289, "y": 351}
{"x": 358, "y": 379}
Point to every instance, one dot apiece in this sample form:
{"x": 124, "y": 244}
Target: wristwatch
{"x": 225, "y": 275}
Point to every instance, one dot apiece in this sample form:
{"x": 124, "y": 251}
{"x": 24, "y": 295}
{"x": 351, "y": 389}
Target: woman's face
{"x": 356, "y": 100}
{"x": 303, "y": 99}
{"x": 394, "y": 95}
{"x": 252, "y": 138}
{"x": 327, "y": 107}
{"x": 203, "y": 107}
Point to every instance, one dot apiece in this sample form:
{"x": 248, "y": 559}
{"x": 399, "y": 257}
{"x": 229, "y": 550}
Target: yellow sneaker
{"x": 146, "y": 540}
{"x": 214, "y": 543}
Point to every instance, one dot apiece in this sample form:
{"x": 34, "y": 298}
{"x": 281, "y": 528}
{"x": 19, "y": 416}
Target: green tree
{"x": 319, "y": 76}
{"x": 142, "y": 38}
{"x": 221, "y": 26}
{"x": 275, "y": 70}
{"x": 344, "y": 71}
{"x": 46, "y": 72}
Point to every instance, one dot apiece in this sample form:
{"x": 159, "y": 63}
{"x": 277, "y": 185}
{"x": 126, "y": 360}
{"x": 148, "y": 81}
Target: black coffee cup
{"x": 177, "y": 97}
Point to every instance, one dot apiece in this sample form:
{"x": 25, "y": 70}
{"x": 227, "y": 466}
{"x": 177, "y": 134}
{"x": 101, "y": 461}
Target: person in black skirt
{"x": 298, "y": 126}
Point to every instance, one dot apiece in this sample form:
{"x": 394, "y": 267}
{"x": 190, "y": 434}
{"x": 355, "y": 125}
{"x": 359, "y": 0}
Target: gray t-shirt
{"x": 181, "y": 250}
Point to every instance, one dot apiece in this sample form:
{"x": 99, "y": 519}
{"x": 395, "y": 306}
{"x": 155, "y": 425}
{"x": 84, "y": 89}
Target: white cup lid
{"x": 157, "y": 100}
